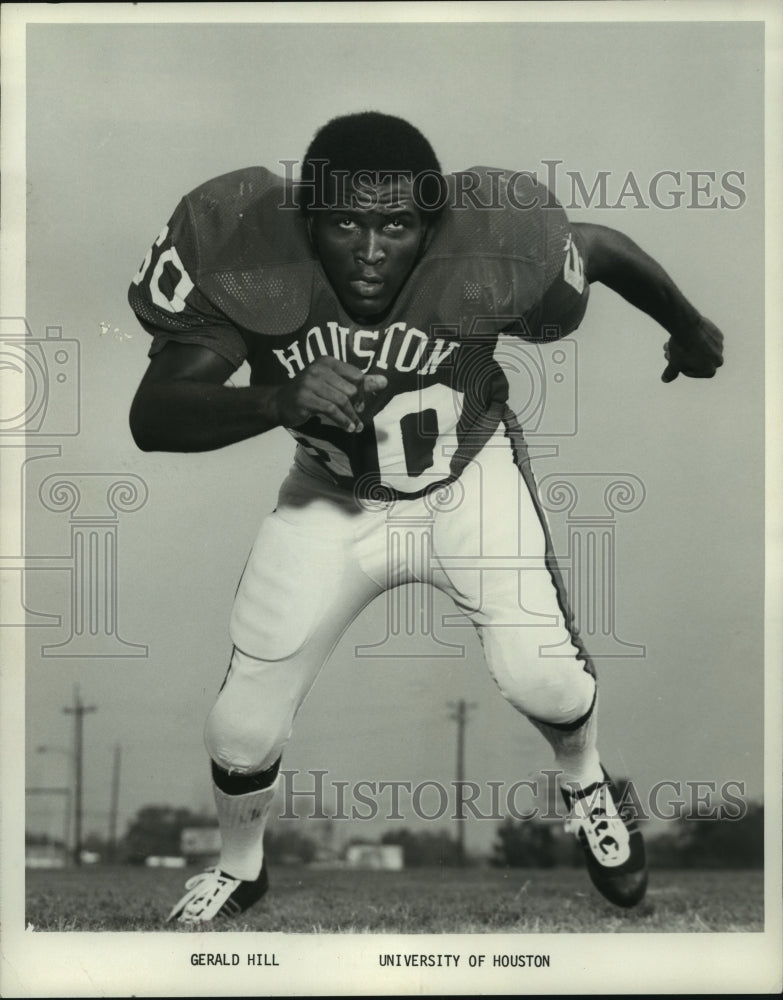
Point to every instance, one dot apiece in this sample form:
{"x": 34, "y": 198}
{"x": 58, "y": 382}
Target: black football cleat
{"x": 213, "y": 893}
{"x": 612, "y": 843}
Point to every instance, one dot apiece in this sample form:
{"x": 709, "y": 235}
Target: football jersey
{"x": 234, "y": 271}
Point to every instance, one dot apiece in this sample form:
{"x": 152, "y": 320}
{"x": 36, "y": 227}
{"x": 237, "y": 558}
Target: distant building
{"x": 45, "y": 856}
{"x": 386, "y": 856}
{"x": 164, "y": 861}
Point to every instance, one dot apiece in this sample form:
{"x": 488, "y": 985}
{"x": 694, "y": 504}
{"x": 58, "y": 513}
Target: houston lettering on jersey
{"x": 397, "y": 347}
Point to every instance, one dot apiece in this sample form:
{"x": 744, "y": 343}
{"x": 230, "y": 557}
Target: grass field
{"x": 431, "y": 900}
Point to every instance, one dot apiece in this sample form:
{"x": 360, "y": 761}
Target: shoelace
{"x": 196, "y": 880}
{"x": 200, "y": 890}
{"x": 606, "y": 835}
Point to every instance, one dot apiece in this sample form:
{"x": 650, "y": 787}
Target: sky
{"x": 123, "y": 120}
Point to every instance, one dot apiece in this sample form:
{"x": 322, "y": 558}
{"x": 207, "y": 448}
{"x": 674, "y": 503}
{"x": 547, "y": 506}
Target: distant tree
{"x": 157, "y": 830}
{"x": 286, "y": 845}
{"x": 712, "y": 843}
{"x": 96, "y": 843}
{"x": 39, "y": 839}
{"x": 524, "y": 844}
{"x": 424, "y": 848}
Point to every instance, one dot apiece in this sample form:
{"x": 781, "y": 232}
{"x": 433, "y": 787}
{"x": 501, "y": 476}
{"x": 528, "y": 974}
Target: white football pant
{"x": 322, "y": 556}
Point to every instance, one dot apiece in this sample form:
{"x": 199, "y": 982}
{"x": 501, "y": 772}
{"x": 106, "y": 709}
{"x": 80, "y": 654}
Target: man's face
{"x": 368, "y": 243}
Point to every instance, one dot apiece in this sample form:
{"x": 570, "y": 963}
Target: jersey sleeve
{"x": 565, "y": 292}
{"x": 168, "y": 302}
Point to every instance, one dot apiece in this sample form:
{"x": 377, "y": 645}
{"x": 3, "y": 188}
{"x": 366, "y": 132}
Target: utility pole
{"x": 460, "y": 716}
{"x": 67, "y": 791}
{"x": 78, "y": 712}
{"x": 115, "y": 798}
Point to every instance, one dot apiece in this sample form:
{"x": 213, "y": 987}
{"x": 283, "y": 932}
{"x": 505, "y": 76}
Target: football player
{"x": 368, "y": 299}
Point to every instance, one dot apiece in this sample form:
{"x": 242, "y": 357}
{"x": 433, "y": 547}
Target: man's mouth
{"x": 368, "y": 286}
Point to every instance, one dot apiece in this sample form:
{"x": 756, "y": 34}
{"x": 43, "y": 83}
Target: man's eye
{"x": 395, "y": 224}
{"x": 345, "y": 223}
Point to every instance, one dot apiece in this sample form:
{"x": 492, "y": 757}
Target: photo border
{"x": 82, "y": 964}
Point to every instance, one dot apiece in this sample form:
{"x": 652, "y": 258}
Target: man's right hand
{"x": 330, "y": 389}
{"x": 183, "y": 404}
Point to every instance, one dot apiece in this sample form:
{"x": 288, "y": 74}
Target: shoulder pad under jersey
{"x": 496, "y": 246}
{"x": 250, "y": 250}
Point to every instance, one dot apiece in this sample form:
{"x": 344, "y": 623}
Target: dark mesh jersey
{"x": 234, "y": 271}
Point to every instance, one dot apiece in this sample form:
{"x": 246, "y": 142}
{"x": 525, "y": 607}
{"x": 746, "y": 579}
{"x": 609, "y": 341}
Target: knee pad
{"x": 551, "y": 697}
{"x": 250, "y": 722}
{"x": 555, "y": 690}
{"x": 242, "y": 746}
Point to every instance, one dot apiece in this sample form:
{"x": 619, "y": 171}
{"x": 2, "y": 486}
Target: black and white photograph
{"x": 390, "y": 494}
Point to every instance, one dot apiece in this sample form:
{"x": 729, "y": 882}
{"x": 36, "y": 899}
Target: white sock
{"x": 576, "y": 752}
{"x": 242, "y": 821}
{"x": 577, "y": 756}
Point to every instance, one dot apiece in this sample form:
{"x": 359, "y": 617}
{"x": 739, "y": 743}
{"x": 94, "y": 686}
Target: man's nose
{"x": 371, "y": 249}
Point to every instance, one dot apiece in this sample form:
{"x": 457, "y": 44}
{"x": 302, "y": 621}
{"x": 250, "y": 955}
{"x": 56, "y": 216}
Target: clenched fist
{"x": 329, "y": 389}
{"x": 697, "y": 352}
